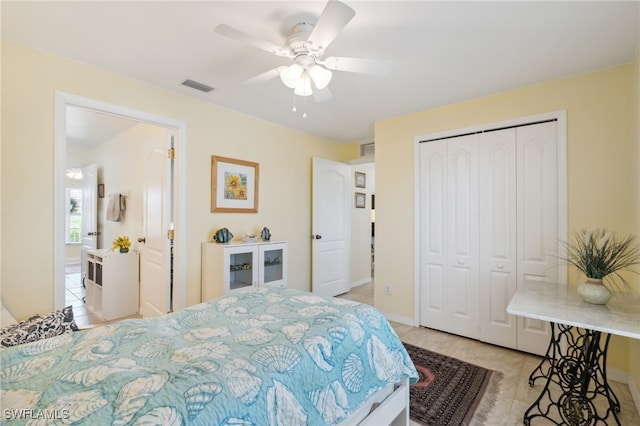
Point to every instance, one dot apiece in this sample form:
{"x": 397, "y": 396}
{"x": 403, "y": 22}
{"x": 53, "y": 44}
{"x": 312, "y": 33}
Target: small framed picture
{"x": 361, "y": 200}
{"x": 361, "y": 180}
{"x": 101, "y": 190}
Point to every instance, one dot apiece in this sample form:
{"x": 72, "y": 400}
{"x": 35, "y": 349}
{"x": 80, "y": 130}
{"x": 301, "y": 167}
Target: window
{"x": 74, "y": 207}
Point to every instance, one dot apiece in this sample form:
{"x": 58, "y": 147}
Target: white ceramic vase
{"x": 594, "y": 291}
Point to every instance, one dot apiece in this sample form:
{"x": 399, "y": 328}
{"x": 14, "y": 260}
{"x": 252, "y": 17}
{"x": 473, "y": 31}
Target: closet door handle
{"x": 142, "y": 240}
{"x": 317, "y": 237}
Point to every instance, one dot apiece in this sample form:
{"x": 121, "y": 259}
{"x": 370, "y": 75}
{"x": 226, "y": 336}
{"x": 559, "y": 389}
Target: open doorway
{"x": 363, "y": 222}
{"x": 173, "y": 215}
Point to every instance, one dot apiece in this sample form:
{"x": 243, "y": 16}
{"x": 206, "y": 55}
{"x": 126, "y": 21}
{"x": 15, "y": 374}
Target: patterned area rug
{"x": 449, "y": 392}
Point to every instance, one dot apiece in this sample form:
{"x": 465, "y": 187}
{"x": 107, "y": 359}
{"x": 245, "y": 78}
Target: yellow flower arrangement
{"x": 123, "y": 243}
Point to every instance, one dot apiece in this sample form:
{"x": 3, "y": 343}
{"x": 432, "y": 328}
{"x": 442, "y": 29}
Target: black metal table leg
{"x": 575, "y": 379}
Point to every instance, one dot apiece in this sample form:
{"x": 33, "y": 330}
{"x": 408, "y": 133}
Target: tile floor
{"x": 515, "y": 394}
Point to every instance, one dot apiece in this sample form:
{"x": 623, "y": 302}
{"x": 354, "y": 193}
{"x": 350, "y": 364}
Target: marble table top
{"x": 561, "y": 304}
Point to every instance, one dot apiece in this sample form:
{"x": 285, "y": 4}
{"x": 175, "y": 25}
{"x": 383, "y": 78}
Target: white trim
{"x": 399, "y": 319}
{"x": 617, "y": 375}
{"x": 624, "y": 377}
{"x": 361, "y": 282}
{"x": 561, "y": 117}
{"x": 62, "y": 100}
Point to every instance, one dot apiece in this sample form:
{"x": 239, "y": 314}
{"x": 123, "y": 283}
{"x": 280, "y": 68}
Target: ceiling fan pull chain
{"x": 294, "y": 109}
{"x": 304, "y": 112}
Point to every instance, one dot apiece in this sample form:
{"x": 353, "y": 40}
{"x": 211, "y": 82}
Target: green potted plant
{"x": 601, "y": 255}
{"x": 122, "y": 243}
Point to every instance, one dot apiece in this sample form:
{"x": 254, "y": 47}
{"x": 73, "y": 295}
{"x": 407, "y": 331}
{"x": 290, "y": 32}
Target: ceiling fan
{"x": 306, "y": 46}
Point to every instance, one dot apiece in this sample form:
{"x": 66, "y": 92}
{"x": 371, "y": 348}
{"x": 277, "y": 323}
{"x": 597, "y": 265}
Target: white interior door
{"x": 449, "y": 231}
{"x": 89, "y": 239}
{"x": 331, "y": 227}
{"x": 537, "y": 169}
{"x": 498, "y": 261}
{"x": 488, "y": 221}
{"x": 433, "y": 234}
{"x": 462, "y": 231}
{"x": 154, "y": 244}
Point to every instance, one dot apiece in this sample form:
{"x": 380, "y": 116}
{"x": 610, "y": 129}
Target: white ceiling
{"x": 443, "y": 52}
{"x": 89, "y": 128}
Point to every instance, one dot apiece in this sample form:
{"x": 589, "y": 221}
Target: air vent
{"x": 367, "y": 149}
{"x": 198, "y": 86}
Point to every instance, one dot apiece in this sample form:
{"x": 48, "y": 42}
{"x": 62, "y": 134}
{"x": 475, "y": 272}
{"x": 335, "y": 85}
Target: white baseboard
{"x": 617, "y": 375}
{"x": 399, "y": 319}
{"x": 361, "y": 282}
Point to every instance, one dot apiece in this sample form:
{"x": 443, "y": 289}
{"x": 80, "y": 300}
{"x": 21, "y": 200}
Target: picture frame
{"x": 361, "y": 200}
{"x": 101, "y": 190}
{"x": 234, "y": 185}
{"x": 361, "y": 180}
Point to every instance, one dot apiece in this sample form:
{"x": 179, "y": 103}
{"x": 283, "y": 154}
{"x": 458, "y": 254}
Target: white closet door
{"x": 498, "y": 261}
{"x": 537, "y": 204}
{"x": 433, "y": 250}
{"x": 462, "y": 236}
{"x": 449, "y": 223}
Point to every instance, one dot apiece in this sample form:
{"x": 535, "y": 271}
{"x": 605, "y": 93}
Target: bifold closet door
{"x": 449, "y": 223}
{"x": 537, "y": 211}
{"x": 462, "y": 236}
{"x": 498, "y": 237}
{"x": 433, "y": 234}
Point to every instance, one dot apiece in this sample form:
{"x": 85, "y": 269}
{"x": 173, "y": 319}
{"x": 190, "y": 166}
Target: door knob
{"x": 93, "y": 233}
{"x": 317, "y": 237}
{"x": 142, "y": 240}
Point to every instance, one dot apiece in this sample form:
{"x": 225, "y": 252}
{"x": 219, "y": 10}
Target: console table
{"x": 574, "y": 367}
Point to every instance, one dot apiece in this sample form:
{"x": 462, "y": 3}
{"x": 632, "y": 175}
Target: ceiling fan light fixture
{"x": 291, "y": 75}
{"x": 320, "y": 76}
{"x": 303, "y": 88}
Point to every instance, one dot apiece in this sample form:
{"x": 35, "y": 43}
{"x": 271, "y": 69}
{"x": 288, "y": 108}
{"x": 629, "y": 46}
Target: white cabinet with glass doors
{"x": 232, "y": 266}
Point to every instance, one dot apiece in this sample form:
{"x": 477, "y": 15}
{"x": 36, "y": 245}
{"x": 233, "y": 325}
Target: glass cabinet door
{"x": 240, "y": 266}
{"x": 273, "y": 260}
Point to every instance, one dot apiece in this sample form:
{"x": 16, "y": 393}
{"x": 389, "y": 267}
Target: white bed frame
{"x": 388, "y": 406}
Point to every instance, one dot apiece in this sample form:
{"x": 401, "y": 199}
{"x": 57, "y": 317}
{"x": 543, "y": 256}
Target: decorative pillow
{"x": 39, "y": 327}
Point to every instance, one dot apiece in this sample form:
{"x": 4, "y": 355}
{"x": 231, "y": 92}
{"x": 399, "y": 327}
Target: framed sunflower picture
{"x": 234, "y": 185}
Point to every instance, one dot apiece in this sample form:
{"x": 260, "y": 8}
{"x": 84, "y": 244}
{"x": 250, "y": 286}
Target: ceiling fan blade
{"x": 238, "y": 35}
{"x": 265, "y": 76}
{"x": 364, "y": 66}
{"x": 335, "y": 16}
{"x": 322, "y": 95}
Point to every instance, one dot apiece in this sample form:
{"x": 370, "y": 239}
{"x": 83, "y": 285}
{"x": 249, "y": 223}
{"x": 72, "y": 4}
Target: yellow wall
{"x": 29, "y": 81}
{"x": 600, "y": 169}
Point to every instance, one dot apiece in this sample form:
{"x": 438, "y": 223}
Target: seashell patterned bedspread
{"x": 262, "y": 356}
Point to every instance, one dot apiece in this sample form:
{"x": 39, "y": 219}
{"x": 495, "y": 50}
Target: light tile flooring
{"x": 515, "y": 395}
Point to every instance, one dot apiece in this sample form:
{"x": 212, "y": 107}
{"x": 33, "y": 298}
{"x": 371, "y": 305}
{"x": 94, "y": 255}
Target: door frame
{"x": 561, "y": 117}
{"x": 62, "y": 100}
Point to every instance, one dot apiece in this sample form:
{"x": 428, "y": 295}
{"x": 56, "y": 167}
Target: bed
{"x": 263, "y": 356}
